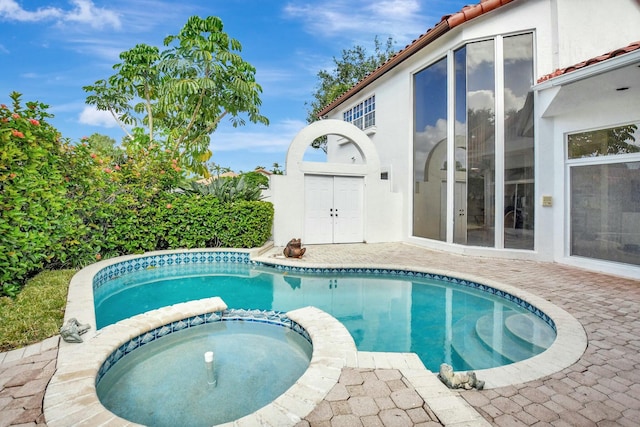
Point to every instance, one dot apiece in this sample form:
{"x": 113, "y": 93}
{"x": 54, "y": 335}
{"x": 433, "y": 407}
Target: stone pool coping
{"x": 568, "y": 347}
{"x": 71, "y": 399}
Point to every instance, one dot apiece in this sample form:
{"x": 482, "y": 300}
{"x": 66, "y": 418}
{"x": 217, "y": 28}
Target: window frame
{"x": 363, "y": 114}
{"x": 570, "y": 163}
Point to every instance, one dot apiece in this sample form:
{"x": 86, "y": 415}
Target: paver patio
{"x": 601, "y": 389}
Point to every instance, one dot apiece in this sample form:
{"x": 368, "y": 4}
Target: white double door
{"x": 333, "y": 209}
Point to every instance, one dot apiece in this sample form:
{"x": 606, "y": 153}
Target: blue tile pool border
{"x": 410, "y": 274}
{"x": 177, "y": 258}
{"x": 211, "y": 257}
{"x": 275, "y": 318}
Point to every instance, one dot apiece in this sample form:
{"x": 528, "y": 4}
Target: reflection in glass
{"x": 480, "y": 72}
{"x": 519, "y": 189}
{"x": 605, "y": 212}
{"x": 604, "y": 142}
{"x": 430, "y": 152}
{"x": 460, "y": 187}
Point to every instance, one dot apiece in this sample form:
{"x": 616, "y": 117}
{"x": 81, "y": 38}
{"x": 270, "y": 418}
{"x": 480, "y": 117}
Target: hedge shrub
{"x": 65, "y": 205}
{"x": 34, "y": 215}
{"x": 177, "y": 220}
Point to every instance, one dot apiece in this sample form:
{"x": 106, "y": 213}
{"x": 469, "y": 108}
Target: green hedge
{"x": 64, "y": 205}
{"x": 34, "y": 215}
{"x": 190, "y": 221}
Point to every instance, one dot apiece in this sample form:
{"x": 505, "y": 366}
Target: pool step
{"x": 531, "y": 330}
{"x": 507, "y": 344}
{"x": 521, "y": 336}
{"x": 470, "y": 349}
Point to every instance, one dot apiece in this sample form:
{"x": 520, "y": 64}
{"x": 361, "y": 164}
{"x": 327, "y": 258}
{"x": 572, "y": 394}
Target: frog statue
{"x": 294, "y": 249}
{"x": 71, "y": 331}
{"x": 464, "y": 380}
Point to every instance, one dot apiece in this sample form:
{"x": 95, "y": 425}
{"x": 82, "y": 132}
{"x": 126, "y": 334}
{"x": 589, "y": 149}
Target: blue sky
{"x": 50, "y": 49}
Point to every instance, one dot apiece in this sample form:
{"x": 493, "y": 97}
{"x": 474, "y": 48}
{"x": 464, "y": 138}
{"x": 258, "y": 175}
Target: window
{"x": 604, "y": 173}
{"x": 430, "y": 152}
{"x": 604, "y": 142}
{"x": 362, "y": 115}
{"x": 489, "y": 84}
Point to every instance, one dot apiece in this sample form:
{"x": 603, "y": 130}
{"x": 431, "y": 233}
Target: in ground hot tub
{"x": 165, "y": 377}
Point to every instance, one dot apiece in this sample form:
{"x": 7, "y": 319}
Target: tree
{"x": 180, "y": 95}
{"x": 354, "y": 65}
{"x": 276, "y": 169}
{"x": 617, "y": 140}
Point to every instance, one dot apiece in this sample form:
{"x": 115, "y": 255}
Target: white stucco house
{"x": 509, "y": 129}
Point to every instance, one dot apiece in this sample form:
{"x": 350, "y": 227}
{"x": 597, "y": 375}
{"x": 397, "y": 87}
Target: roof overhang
{"x": 618, "y": 76}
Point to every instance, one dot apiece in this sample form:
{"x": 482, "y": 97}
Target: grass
{"x": 37, "y": 312}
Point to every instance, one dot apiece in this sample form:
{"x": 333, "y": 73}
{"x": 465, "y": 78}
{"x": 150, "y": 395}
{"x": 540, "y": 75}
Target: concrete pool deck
{"x": 601, "y": 388}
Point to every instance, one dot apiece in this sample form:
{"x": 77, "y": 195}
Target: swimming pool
{"x": 165, "y": 382}
{"x": 442, "y": 319}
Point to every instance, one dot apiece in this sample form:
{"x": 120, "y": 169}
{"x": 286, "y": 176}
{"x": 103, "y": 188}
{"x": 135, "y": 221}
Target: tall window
{"x": 362, "y": 115}
{"x": 605, "y": 194}
{"x": 519, "y": 194}
{"x": 475, "y": 188}
{"x": 430, "y": 152}
{"x": 476, "y": 97}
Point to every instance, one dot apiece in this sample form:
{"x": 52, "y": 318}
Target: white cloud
{"x": 93, "y": 117}
{"x": 485, "y": 99}
{"x": 513, "y": 102}
{"x": 82, "y": 12}
{"x": 11, "y": 10}
{"x": 481, "y": 100}
{"x": 85, "y": 12}
{"x": 400, "y": 19}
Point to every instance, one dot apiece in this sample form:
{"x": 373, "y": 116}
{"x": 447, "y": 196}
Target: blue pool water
{"x": 166, "y": 382}
{"x": 440, "y": 321}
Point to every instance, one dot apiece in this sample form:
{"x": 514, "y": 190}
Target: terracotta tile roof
{"x": 446, "y": 23}
{"x": 630, "y": 48}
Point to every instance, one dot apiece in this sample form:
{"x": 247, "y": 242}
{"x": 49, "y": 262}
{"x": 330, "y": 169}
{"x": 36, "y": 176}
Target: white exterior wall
{"x": 381, "y": 208}
{"x": 566, "y": 32}
{"x": 588, "y": 28}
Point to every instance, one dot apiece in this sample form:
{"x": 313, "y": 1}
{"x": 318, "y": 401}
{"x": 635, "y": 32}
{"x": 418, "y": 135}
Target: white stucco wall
{"x": 589, "y": 28}
{"x": 382, "y": 207}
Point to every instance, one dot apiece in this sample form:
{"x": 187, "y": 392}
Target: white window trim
{"x": 361, "y": 107}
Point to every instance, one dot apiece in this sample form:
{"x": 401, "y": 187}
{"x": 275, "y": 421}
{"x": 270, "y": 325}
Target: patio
{"x": 602, "y": 388}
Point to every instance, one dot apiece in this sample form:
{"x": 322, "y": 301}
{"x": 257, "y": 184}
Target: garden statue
{"x": 465, "y": 380}
{"x": 294, "y": 249}
{"x": 71, "y": 331}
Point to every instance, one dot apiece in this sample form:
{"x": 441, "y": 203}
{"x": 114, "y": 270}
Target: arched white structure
{"x": 381, "y": 208}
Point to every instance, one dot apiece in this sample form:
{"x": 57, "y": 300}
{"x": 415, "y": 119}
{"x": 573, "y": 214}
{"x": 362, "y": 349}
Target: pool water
{"x": 440, "y": 321}
{"x": 165, "y": 382}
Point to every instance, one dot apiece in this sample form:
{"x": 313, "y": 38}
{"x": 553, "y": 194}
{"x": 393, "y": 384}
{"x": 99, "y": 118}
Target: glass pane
{"x": 604, "y": 142}
{"x": 480, "y": 143}
{"x": 430, "y": 152}
{"x": 605, "y": 212}
{"x": 519, "y": 189}
{"x": 460, "y": 187}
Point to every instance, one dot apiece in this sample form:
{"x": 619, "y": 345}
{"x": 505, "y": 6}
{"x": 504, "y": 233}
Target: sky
{"x": 50, "y": 49}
